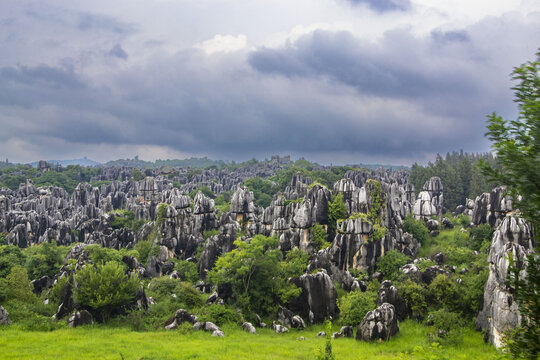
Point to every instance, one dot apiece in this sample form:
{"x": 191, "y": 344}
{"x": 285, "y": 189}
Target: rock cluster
{"x": 380, "y": 323}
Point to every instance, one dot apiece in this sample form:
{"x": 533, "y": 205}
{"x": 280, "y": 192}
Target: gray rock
{"x": 317, "y": 300}
{"x": 500, "y": 311}
{"x": 389, "y": 294}
{"x": 4, "y": 317}
{"x": 218, "y": 333}
{"x": 179, "y": 317}
{"x": 321, "y": 333}
{"x": 80, "y": 318}
{"x": 346, "y": 331}
{"x": 248, "y": 327}
{"x": 380, "y": 323}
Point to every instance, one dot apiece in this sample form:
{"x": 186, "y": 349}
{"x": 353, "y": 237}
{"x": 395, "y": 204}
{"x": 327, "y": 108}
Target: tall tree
{"x": 517, "y": 144}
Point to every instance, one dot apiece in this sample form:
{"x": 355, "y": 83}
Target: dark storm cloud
{"x": 384, "y": 5}
{"x": 118, "y": 52}
{"x": 43, "y": 75}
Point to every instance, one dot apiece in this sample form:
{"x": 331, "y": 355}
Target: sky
{"x": 334, "y": 81}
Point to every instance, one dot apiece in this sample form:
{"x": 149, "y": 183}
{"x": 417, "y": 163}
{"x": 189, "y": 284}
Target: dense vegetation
{"x": 460, "y": 175}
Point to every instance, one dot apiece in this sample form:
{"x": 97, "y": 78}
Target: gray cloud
{"x": 384, "y": 5}
{"x": 330, "y": 96}
{"x": 117, "y": 51}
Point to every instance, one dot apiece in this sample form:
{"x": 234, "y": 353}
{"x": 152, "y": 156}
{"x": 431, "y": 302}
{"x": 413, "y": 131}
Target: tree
{"x": 253, "y": 270}
{"x": 336, "y": 211}
{"x": 105, "y": 288}
{"x": 517, "y": 144}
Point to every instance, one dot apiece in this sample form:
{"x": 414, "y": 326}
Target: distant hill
{"x": 82, "y": 162}
{"x": 197, "y": 163}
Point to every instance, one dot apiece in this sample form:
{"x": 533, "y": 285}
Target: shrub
{"x": 295, "y": 263}
{"x": 162, "y": 289}
{"x": 19, "y": 286}
{"x": 318, "y": 237}
{"x": 146, "y": 249}
{"x": 219, "y": 315}
{"x": 450, "y": 323}
{"x": 45, "y": 259}
{"x": 414, "y": 296}
{"x": 187, "y": 270}
{"x": 355, "y": 305}
{"x": 105, "y": 288}
{"x": 101, "y": 255}
{"x": 390, "y": 263}
{"x": 10, "y": 256}
{"x": 443, "y": 292}
{"x": 480, "y": 234}
{"x": 336, "y": 211}
{"x": 416, "y": 228}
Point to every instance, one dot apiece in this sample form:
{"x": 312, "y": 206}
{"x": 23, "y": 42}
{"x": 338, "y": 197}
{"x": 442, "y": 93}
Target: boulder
{"x": 346, "y": 331}
{"x": 380, "y": 323}
{"x": 80, "y": 318}
{"x": 248, "y": 327}
{"x": 4, "y": 317}
{"x": 179, "y": 317}
{"x": 317, "y": 301}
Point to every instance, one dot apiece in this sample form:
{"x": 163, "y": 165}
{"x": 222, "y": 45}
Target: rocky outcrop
{"x": 317, "y": 300}
{"x": 380, "y": 323}
{"x": 500, "y": 311}
{"x": 491, "y": 208}
{"x": 179, "y": 317}
{"x": 389, "y": 294}
{"x": 80, "y": 318}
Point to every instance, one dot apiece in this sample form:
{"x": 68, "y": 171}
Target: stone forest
{"x": 284, "y": 255}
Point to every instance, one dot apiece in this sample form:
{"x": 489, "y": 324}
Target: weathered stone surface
{"x": 346, "y": 331}
{"x": 179, "y": 317}
{"x": 380, "y": 323}
{"x": 389, "y": 294}
{"x": 279, "y": 329}
{"x": 317, "y": 300}
{"x": 80, "y": 318}
{"x": 500, "y": 311}
{"x": 4, "y": 317}
{"x": 248, "y": 327}
{"x": 491, "y": 208}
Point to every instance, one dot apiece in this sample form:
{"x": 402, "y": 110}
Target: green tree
{"x": 390, "y": 263}
{"x": 45, "y": 259}
{"x": 336, "y": 211}
{"x": 19, "y": 286}
{"x": 517, "y": 144}
{"x": 253, "y": 270}
{"x": 105, "y": 288}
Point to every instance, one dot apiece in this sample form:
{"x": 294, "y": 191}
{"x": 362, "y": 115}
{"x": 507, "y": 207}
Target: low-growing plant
{"x": 355, "y": 305}
{"x": 390, "y": 263}
{"x": 479, "y": 235}
{"x": 219, "y": 315}
{"x": 187, "y": 270}
{"x": 414, "y": 296}
{"x": 318, "y": 237}
{"x": 416, "y": 228}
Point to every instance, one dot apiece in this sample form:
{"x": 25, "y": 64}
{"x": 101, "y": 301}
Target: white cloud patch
{"x": 222, "y": 44}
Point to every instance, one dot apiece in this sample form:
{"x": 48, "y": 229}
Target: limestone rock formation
{"x": 317, "y": 300}
{"x": 500, "y": 311}
{"x": 389, "y": 294}
{"x": 380, "y": 323}
{"x": 4, "y": 317}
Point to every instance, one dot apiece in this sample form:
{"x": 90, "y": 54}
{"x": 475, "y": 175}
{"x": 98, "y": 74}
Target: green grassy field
{"x": 98, "y": 342}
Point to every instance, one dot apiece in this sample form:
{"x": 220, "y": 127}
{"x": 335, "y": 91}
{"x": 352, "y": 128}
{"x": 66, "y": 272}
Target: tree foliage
{"x": 105, "y": 288}
{"x": 517, "y": 144}
{"x": 336, "y": 211}
{"x": 253, "y": 270}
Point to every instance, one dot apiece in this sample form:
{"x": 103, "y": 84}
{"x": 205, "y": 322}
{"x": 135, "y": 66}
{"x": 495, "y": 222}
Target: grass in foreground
{"x": 101, "y": 342}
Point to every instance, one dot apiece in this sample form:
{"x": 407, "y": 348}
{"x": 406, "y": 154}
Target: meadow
{"x": 106, "y": 342}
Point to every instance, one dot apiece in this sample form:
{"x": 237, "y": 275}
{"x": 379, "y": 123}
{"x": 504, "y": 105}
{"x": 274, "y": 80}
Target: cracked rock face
{"x": 380, "y": 323}
{"x": 500, "y": 311}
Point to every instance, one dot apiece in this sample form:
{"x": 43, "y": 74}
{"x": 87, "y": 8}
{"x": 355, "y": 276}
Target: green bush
{"x": 390, "y": 263}
{"x": 163, "y": 288}
{"x": 56, "y": 291}
{"x": 355, "y": 305}
{"x": 479, "y": 235}
{"x": 449, "y": 322}
{"x": 336, "y": 211}
{"x": 416, "y": 228}
{"x": 146, "y": 249}
{"x": 187, "y": 270}
{"x": 44, "y": 259}
{"x": 443, "y": 292}
{"x": 19, "y": 286}
{"x": 10, "y": 256}
{"x": 414, "y": 296}
{"x": 126, "y": 219}
{"x": 318, "y": 237}
{"x": 105, "y": 288}
{"x": 295, "y": 263}
{"x": 219, "y": 315}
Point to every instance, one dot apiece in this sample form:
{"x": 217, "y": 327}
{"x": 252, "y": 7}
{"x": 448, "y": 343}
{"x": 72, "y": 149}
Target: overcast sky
{"x": 334, "y": 81}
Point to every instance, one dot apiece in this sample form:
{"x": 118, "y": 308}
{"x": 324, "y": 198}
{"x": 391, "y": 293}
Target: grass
{"x": 105, "y": 342}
